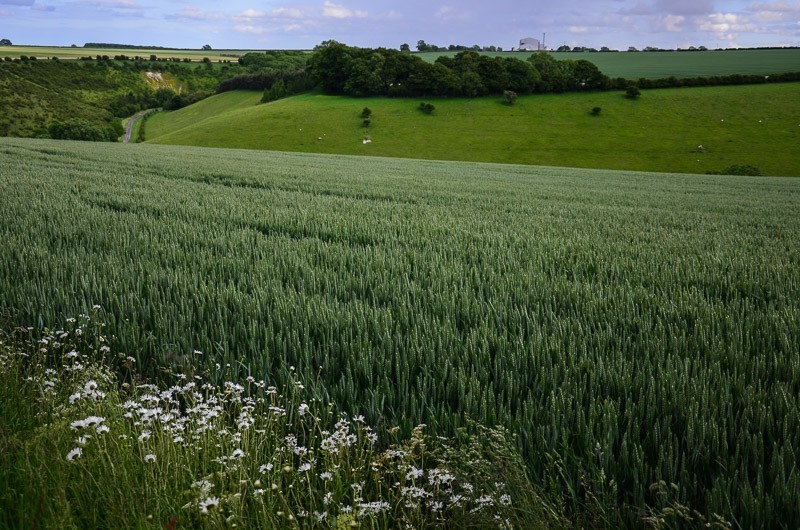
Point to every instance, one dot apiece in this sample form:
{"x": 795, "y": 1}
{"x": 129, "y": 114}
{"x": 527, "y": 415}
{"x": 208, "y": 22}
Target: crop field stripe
{"x": 637, "y": 327}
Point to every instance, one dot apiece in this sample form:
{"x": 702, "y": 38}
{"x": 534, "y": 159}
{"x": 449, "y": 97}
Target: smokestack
{"x": 544, "y": 47}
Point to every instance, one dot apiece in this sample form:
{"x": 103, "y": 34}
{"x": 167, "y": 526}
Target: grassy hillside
{"x": 679, "y": 64}
{"x": 629, "y": 327}
{"x": 754, "y": 125}
{"x": 34, "y": 94}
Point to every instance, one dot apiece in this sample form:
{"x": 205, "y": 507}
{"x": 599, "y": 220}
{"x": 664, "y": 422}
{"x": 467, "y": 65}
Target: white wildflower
{"x": 207, "y": 503}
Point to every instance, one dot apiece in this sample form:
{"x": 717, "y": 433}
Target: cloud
{"x": 255, "y": 30}
{"x": 249, "y": 15}
{"x": 726, "y": 26}
{"x": 288, "y": 12}
{"x": 191, "y": 13}
{"x": 671, "y": 7}
{"x": 578, "y": 30}
{"x": 778, "y": 7}
{"x": 332, "y": 10}
{"x": 113, "y": 4}
{"x": 684, "y": 7}
{"x": 444, "y": 12}
{"x": 16, "y": 2}
{"x": 672, "y": 23}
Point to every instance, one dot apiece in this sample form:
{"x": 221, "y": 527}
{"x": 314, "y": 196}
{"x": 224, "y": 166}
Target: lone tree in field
{"x": 206, "y": 47}
{"x": 427, "y": 108}
{"x": 5, "y": 42}
{"x": 632, "y": 92}
{"x": 510, "y": 96}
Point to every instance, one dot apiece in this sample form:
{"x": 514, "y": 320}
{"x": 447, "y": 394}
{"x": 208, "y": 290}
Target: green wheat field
{"x": 630, "y": 328}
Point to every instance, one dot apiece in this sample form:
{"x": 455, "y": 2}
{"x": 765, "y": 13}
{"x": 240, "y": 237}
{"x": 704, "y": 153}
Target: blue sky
{"x": 264, "y": 24}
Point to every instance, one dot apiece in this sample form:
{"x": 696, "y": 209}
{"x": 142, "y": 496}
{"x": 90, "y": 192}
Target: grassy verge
{"x": 662, "y": 131}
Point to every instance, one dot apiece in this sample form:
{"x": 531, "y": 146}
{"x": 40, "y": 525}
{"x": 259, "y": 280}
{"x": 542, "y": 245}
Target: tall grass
{"x": 88, "y": 444}
{"x": 629, "y": 328}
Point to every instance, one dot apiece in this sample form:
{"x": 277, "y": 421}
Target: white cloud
{"x": 332, "y": 10}
{"x": 192, "y": 13}
{"x": 578, "y": 30}
{"x": 672, "y": 23}
{"x": 288, "y": 12}
{"x": 17, "y": 2}
{"x": 444, "y": 12}
{"x": 249, "y": 15}
{"x": 255, "y": 30}
{"x": 726, "y": 26}
{"x": 113, "y": 4}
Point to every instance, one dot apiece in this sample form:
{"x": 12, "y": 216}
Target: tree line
{"x": 345, "y": 70}
{"x": 341, "y": 69}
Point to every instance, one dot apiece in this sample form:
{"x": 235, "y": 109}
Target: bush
{"x": 427, "y": 108}
{"x": 510, "y": 96}
{"x": 632, "y": 92}
{"x": 366, "y": 113}
{"x": 596, "y": 111}
{"x": 738, "y": 169}
{"x": 78, "y": 129}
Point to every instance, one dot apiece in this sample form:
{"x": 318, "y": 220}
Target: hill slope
{"x": 753, "y": 125}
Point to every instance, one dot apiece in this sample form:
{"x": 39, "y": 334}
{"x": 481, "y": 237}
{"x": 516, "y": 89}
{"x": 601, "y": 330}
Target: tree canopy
{"x": 341, "y": 69}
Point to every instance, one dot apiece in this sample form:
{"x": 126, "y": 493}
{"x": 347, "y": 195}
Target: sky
{"x": 280, "y": 24}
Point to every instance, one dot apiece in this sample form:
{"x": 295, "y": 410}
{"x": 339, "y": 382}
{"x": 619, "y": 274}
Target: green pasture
{"x": 740, "y": 125}
{"x": 654, "y": 65}
{"x": 628, "y": 327}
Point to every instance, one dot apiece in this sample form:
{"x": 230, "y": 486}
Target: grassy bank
{"x": 743, "y": 125}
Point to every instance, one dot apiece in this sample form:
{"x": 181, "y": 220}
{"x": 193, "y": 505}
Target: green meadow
{"x": 637, "y": 332}
{"x": 753, "y": 125}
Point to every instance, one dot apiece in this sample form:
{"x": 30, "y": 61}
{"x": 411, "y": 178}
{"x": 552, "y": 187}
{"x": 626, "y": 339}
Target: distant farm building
{"x": 530, "y": 45}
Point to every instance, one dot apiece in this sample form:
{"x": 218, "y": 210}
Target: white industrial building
{"x": 530, "y": 45}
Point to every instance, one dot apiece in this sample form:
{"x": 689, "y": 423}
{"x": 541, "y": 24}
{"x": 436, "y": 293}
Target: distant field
{"x": 679, "y": 64}
{"x": 753, "y": 125}
{"x": 627, "y": 327}
{"x": 619, "y": 64}
{"x": 67, "y": 52}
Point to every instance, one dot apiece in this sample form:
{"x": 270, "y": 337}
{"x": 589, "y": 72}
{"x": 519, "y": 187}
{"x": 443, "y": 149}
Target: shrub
{"x": 366, "y": 113}
{"x": 596, "y": 111}
{"x": 738, "y": 169}
{"x": 510, "y": 96}
{"x": 427, "y": 108}
{"x": 632, "y": 92}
